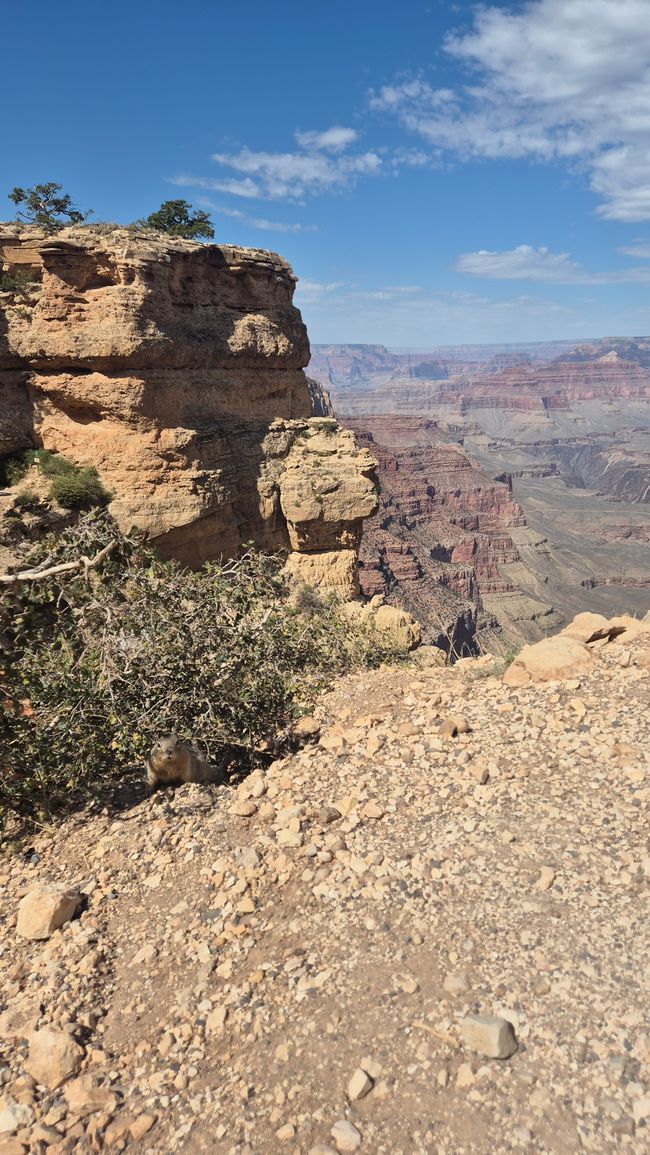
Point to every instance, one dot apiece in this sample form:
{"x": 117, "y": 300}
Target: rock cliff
{"x": 176, "y": 369}
{"x": 441, "y": 542}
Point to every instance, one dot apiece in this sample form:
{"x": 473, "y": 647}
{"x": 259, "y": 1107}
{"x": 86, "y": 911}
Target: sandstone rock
{"x": 44, "y": 910}
{"x": 176, "y": 369}
{"x": 243, "y": 808}
{"x": 14, "y": 1115}
{"x": 359, "y": 1085}
{"x": 395, "y": 626}
{"x": 552, "y": 659}
{"x": 307, "y": 727}
{"x": 490, "y": 1035}
{"x": 12, "y": 1147}
{"x": 588, "y": 627}
{"x": 53, "y": 1057}
{"x": 346, "y": 1136}
{"x": 84, "y": 1096}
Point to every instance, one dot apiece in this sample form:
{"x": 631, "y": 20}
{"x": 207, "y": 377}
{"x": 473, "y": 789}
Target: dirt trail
{"x": 244, "y": 952}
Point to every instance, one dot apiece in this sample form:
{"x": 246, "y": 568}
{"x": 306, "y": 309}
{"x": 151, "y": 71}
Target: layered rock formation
{"x": 569, "y": 426}
{"x": 176, "y": 369}
{"x": 441, "y": 541}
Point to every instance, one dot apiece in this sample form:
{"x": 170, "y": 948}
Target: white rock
{"x": 360, "y": 1084}
{"x": 346, "y": 1136}
{"x": 45, "y": 909}
{"x": 489, "y": 1035}
{"x": 53, "y": 1057}
{"x": 13, "y": 1115}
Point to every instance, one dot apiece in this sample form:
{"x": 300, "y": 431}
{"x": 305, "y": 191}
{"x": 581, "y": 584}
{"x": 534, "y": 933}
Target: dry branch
{"x": 82, "y": 563}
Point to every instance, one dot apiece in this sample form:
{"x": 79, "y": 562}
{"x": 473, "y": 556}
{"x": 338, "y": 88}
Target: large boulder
{"x": 552, "y": 659}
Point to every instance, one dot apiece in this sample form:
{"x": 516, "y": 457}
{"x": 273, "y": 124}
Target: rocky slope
{"x": 176, "y": 369}
{"x": 441, "y": 543}
{"x": 296, "y": 965}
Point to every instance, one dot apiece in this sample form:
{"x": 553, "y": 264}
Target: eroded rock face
{"x": 176, "y": 369}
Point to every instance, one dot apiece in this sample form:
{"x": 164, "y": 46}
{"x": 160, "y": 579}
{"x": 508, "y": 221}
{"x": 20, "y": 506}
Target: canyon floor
{"x": 248, "y": 960}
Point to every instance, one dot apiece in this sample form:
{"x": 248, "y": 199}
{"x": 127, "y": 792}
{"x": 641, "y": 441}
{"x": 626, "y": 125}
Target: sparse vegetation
{"x": 71, "y": 486}
{"x": 98, "y": 662}
{"x": 47, "y": 206}
{"x": 19, "y": 282}
{"x": 180, "y": 219}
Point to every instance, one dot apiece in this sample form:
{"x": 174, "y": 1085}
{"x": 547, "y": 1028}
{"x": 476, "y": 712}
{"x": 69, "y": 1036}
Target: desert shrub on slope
{"x": 96, "y": 663}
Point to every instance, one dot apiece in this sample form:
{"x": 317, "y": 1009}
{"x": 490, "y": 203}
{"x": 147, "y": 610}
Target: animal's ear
{"x": 175, "y": 739}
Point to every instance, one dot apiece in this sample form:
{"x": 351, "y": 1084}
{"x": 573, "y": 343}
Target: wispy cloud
{"x": 341, "y": 311}
{"x": 333, "y": 139}
{"x": 321, "y": 165}
{"x": 526, "y": 263}
{"x": 555, "y": 80}
{"x": 261, "y": 223}
{"x": 639, "y": 248}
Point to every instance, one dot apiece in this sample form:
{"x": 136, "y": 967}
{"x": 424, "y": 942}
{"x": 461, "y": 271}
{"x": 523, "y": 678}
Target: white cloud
{"x": 555, "y": 80}
{"x": 321, "y": 166}
{"x": 404, "y": 315}
{"x": 526, "y": 263}
{"x": 639, "y": 248}
{"x": 256, "y": 222}
{"x": 333, "y": 139}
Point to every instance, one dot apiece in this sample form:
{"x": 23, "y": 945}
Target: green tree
{"x": 179, "y": 219}
{"x": 45, "y": 206}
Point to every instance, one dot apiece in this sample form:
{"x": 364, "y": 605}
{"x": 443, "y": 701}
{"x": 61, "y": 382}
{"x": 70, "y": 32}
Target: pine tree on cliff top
{"x": 180, "y": 220}
{"x": 43, "y": 205}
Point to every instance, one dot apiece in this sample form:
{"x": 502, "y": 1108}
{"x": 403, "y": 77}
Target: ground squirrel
{"x": 172, "y": 760}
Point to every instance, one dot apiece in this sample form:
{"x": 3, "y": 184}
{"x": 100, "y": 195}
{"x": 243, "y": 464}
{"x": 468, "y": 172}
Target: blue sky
{"x": 435, "y": 172}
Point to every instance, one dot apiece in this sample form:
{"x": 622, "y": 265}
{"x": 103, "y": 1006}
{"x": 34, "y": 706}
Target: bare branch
{"x": 83, "y": 563}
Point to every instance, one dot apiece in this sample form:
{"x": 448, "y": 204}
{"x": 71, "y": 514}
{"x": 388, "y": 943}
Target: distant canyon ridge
{"x": 515, "y": 480}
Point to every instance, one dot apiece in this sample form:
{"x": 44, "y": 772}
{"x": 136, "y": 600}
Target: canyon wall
{"x": 568, "y": 428}
{"x": 441, "y": 542}
{"x": 176, "y": 369}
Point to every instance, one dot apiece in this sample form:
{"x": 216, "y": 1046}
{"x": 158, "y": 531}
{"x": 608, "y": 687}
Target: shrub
{"x": 19, "y": 282}
{"x": 46, "y": 206}
{"x": 79, "y": 489}
{"x": 97, "y": 665}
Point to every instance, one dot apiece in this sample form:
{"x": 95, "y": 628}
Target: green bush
{"x": 93, "y": 667}
{"x": 20, "y": 282}
{"x": 79, "y": 489}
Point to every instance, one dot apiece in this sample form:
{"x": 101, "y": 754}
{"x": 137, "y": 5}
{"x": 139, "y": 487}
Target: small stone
{"x": 14, "y": 1115}
{"x": 448, "y": 728}
{"x": 360, "y": 1085}
{"x": 480, "y": 774}
{"x": 346, "y": 1136}
{"x": 328, "y": 814}
{"x": 489, "y": 1035}
{"x": 243, "y": 808}
{"x": 456, "y": 983}
{"x": 372, "y": 810}
{"x": 216, "y": 1020}
{"x": 45, "y": 909}
{"x": 84, "y": 1096}
{"x": 464, "y": 1076}
{"x": 289, "y": 839}
{"x": 307, "y": 727}
{"x": 546, "y": 878}
{"x": 12, "y": 1147}
{"x": 641, "y": 1110}
{"x": 141, "y": 1125}
{"x": 321, "y": 1149}
{"x": 285, "y": 1133}
{"x": 53, "y": 1057}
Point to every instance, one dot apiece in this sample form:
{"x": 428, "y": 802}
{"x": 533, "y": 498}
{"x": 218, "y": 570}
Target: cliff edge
{"x": 176, "y": 369}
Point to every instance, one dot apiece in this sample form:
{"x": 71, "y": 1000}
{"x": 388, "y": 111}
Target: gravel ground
{"x": 285, "y": 966}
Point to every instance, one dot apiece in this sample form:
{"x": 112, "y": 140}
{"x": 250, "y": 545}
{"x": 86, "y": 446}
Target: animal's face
{"x": 167, "y": 746}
